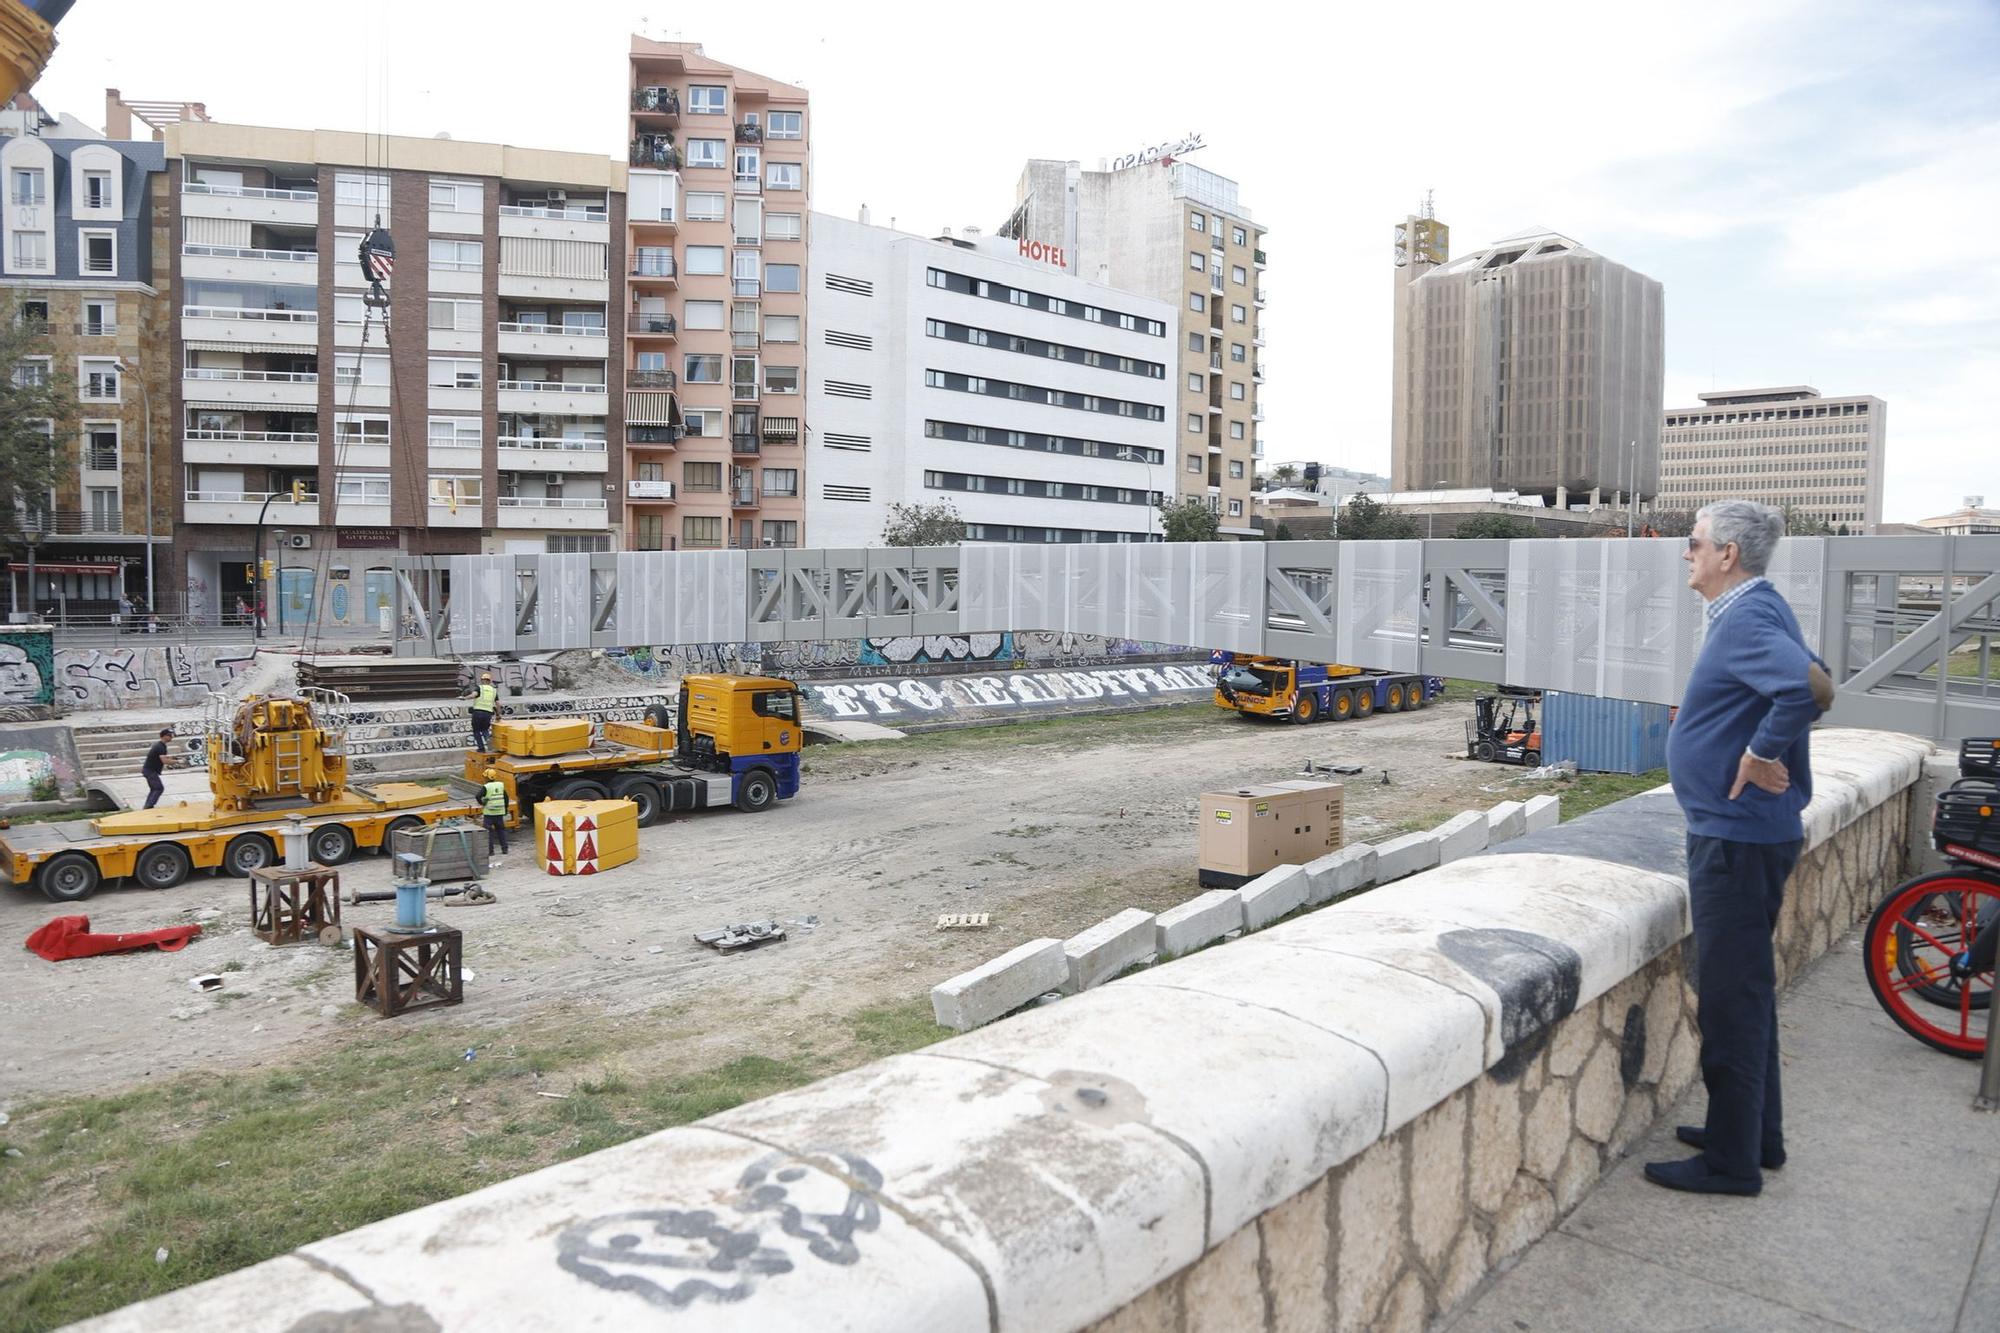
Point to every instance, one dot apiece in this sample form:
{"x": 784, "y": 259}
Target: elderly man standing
{"x": 1737, "y": 755}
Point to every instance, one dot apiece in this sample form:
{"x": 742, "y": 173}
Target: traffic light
{"x": 267, "y": 571}
{"x": 250, "y": 573}
{"x": 298, "y": 490}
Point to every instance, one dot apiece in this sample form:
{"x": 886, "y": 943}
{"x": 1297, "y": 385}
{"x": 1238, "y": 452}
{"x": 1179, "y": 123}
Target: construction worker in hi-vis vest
{"x": 485, "y": 702}
{"x": 495, "y": 810}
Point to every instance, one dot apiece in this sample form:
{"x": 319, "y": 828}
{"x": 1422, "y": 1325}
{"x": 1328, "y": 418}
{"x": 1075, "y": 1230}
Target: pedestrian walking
{"x": 1738, "y": 757}
{"x": 122, "y": 614}
{"x": 242, "y": 610}
{"x": 156, "y": 759}
{"x": 495, "y": 810}
{"x": 485, "y": 702}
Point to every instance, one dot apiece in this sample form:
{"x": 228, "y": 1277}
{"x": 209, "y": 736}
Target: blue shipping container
{"x": 1603, "y": 735}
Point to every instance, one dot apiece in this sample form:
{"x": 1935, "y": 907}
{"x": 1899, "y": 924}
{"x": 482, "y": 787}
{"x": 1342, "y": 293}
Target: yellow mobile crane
{"x": 271, "y": 759}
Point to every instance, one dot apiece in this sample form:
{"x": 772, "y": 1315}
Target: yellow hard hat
{"x": 486, "y": 675}
{"x": 490, "y": 775}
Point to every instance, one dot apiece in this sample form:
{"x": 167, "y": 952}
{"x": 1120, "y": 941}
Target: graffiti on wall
{"x": 926, "y": 650}
{"x": 170, "y": 675}
{"x": 938, "y": 698}
{"x": 38, "y": 764}
{"x": 1055, "y": 646}
{"x": 918, "y": 649}
{"x": 511, "y": 677}
{"x": 27, "y": 674}
{"x": 746, "y": 658}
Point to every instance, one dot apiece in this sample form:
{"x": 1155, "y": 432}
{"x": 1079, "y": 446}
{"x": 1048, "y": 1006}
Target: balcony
{"x": 1257, "y": 372}
{"x": 653, "y": 437}
{"x": 251, "y": 447}
{"x": 552, "y": 396}
{"x": 1260, "y": 297}
{"x": 1257, "y": 258}
{"x": 81, "y": 523}
{"x": 1257, "y": 413}
{"x": 249, "y": 203}
{"x": 749, "y": 133}
{"x": 652, "y": 326}
{"x": 656, "y": 268}
{"x": 282, "y": 388}
{"x": 781, "y": 430}
{"x": 743, "y": 393}
{"x": 654, "y": 154}
{"x": 1258, "y": 339}
{"x": 555, "y": 212}
{"x": 745, "y": 442}
{"x": 657, "y": 101}
{"x": 100, "y": 459}
{"x": 244, "y": 506}
{"x": 548, "y": 511}
{"x": 743, "y": 497}
{"x": 649, "y": 490}
{"x": 749, "y": 184}
{"x": 1215, "y": 361}
{"x": 584, "y": 341}
{"x": 98, "y": 330}
{"x": 529, "y": 453}
{"x": 233, "y": 263}
{"x": 251, "y": 326}
{"x": 651, "y": 379}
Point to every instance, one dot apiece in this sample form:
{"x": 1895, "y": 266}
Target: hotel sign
{"x": 1162, "y": 152}
{"x": 1042, "y": 253}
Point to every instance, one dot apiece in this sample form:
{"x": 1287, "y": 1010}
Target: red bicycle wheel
{"x": 1907, "y": 952}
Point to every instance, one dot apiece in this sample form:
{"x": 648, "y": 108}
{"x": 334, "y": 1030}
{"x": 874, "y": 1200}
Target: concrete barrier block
{"x": 1405, "y": 855}
{"x": 999, "y": 986}
{"x": 1107, "y": 948}
{"x": 1505, "y": 822}
{"x": 1275, "y": 893}
{"x": 1198, "y": 921}
{"x": 1461, "y": 836}
{"x": 1542, "y": 812}
{"x": 1336, "y": 873}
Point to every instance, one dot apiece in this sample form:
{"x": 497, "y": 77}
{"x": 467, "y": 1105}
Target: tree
{"x": 1494, "y": 525}
{"x": 1365, "y": 520}
{"x": 1189, "y": 520}
{"x": 1798, "y": 523}
{"x": 923, "y": 525}
{"x": 1284, "y": 474}
{"x": 1671, "y": 522}
{"x": 1284, "y": 532}
{"x": 37, "y": 408}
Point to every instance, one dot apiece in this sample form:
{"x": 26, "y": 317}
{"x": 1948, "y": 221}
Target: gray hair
{"x": 1754, "y": 528}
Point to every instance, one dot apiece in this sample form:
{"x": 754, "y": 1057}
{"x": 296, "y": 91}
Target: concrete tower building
{"x": 1532, "y": 365}
{"x": 1174, "y": 232}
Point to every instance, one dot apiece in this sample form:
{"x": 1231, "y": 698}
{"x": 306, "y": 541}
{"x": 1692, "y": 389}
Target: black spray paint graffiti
{"x": 511, "y": 677}
{"x": 672, "y": 1257}
{"x": 1536, "y": 978}
{"x": 149, "y": 677}
{"x": 914, "y": 696}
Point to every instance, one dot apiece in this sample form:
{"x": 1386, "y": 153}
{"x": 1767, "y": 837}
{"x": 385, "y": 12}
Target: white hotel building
{"x": 1042, "y": 406}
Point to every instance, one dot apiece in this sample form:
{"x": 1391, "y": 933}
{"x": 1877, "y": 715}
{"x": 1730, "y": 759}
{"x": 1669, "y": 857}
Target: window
{"x": 1194, "y": 382}
{"x": 1238, "y": 235}
{"x": 746, "y": 165}
{"x": 1197, "y": 343}
{"x": 781, "y": 328}
{"x": 1198, "y": 302}
{"x": 362, "y": 191}
{"x": 1197, "y": 261}
{"x": 29, "y": 186}
{"x": 100, "y": 446}
{"x": 1236, "y": 391}
{"x": 704, "y": 260}
{"x": 459, "y": 316}
{"x": 781, "y": 481}
{"x": 99, "y": 317}
{"x": 702, "y": 368}
{"x": 745, "y": 272}
{"x": 1235, "y": 430}
{"x": 33, "y": 314}
{"x": 447, "y": 490}
{"x": 1235, "y": 508}
{"x": 781, "y": 278}
{"x": 1194, "y": 424}
{"x": 704, "y": 206}
{"x": 455, "y": 373}
{"x": 99, "y": 378}
{"x": 453, "y": 432}
{"x": 1236, "y": 471}
{"x": 781, "y": 532}
{"x": 351, "y": 368}
{"x": 702, "y": 315}
{"x": 1238, "y": 314}
{"x": 360, "y": 430}
{"x": 1198, "y": 221}
{"x": 99, "y": 251}
{"x": 1236, "y": 274}
{"x": 1236, "y": 352}
{"x": 707, "y": 100}
{"x": 786, "y": 125}
{"x": 782, "y": 227}
{"x": 349, "y": 310}
{"x": 97, "y": 189}
{"x": 781, "y": 379}
{"x": 458, "y": 256}
{"x": 457, "y": 197}
{"x": 784, "y": 176}
{"x": 705, "y": 153}
{"x": 749, "y": 221}
{"x": 701, "y": 476}
{"x": 369, "y": 488}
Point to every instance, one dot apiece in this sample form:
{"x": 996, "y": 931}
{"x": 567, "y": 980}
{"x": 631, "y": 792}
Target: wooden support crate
{"x": 287, "y": 906}
{"x": 394, "y": 973}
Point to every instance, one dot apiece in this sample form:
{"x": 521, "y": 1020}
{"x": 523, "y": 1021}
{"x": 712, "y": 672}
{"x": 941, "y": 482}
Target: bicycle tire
{"x": 1900, "y": 924}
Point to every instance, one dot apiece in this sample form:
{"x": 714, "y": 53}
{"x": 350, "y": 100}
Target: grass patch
{"x": 225, "y": 1172}
{"x": 1593, "y": 791}
{"x": 1066, "y": 732}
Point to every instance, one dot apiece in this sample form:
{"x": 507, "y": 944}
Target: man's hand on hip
{"x": 1765, "y": 774}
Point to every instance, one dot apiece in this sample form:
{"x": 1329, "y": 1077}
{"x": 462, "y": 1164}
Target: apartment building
{"x": 964, "y": 369}
{"x": 84, "y": 266}
{"x": 1786, "y": 446}
{"x": 1169, "y": 230}
{"x": 715, "y": 306}
{"x": 478, "y": 420}
{"x": 1533, "y": 365}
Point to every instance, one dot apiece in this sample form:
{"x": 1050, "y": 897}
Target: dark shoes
{"x": 1694, "y": 1177}
{"x": 1694, "y": 1136}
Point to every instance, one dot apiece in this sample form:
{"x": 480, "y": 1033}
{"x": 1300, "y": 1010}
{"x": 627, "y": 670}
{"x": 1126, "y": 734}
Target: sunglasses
{"x": 1695, "y": 544}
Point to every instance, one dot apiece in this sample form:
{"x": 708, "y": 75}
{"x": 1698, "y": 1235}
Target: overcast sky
{"x": 1817, "y": 183}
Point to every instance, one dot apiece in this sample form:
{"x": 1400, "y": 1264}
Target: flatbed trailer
{"x": 161, "y": 847}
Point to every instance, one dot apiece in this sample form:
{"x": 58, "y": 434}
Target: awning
{"x": 63, "y": 567}
{"x": 195, "y": 346}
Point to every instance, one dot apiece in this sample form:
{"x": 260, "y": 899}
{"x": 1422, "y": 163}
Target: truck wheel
{"x": 1306, "y": 709}
{"x": 1485, "y": 752}
{"x": 68, "y": 878}
{"x": 247, "y": 852}
{"x": 1395, "y": 703}
{"x": 1343, "y": 705}
{"x": 1364, "y": 701}
{"x": 1413, "y": 696}
{"x": 400, "y": 824}
{"x": 642, "y": 792}
{"x": 330, "y": 844}
{"x": 661, "y": 716}
{"x": 161, "y": 866}
{"x": 578, "y": 789}
{"x": 756, "y": 792}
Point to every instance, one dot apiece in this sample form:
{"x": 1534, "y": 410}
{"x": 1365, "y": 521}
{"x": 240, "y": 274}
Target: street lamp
{"x": 146, "y": 397}
{"x": 1631, "y": 485}
{"x": 1128, "y": 455}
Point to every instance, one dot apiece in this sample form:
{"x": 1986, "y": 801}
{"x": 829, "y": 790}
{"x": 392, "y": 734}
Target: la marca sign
{"x": 1165, "y": 151}
{"x": 1043, "y": 253}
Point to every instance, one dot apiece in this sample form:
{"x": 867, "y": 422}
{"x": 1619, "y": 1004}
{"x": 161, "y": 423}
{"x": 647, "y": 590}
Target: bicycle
{"x": 1934, "y": 938}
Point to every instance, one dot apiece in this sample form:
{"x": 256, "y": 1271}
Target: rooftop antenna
{"x": 1427, "y": 211}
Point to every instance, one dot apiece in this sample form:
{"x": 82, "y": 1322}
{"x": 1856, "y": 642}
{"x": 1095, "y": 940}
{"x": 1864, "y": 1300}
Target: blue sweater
{"x": 1748, "y": 690}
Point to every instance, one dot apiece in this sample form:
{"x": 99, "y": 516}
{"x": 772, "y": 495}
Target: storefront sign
{"x": 369, "y": 539}
{"x": 1164, "y": 152}
{"x": 1043, "y": 253}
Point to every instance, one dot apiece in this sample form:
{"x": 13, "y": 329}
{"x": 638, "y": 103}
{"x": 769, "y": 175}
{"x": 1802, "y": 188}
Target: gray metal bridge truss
{"x": 1610, "y": 618}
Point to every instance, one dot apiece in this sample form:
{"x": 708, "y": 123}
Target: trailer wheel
{"x": 1364, "y": 701}
{"x": 68, "y": 878}
{"x": 1416, "y": 696}
{"x": 659, "y": 715}
{"x": 643, "y": 792}
{"x": 400, "y": 824}
{"x": 1343, "y": 705}
{"x": 1395, "y": 703}
{"x": 162, "y": 866}
{"x": 330, "y": 844}
{"x": 1306, "y": 709}
{"x": 756, "y": 792}
{"x": 577, "y": 789}
{"x": 247, "y": 852}
{"x": 1485, "y": 752}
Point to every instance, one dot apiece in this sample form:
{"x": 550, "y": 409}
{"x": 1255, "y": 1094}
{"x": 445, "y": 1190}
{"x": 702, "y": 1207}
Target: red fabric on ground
{"x": 70, "y": 937}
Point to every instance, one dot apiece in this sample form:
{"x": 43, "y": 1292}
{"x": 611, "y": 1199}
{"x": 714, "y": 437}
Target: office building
{"x": 84, "y": 267}
{"x": 1169, "y": 230}
{"x": 478, "y": 421}
{"x": 961, "y": 369}
{"x": 1784, "y": 446}
{"x": 1973, "y": 520}
{"x": 1532, "y": 365}
{"x": 715, "y": 306}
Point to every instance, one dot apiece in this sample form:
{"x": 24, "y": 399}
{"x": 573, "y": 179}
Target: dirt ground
{"x": 1049, "y": 827}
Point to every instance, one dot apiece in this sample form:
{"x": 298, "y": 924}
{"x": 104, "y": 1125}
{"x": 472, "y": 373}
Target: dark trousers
{"x": 482, "y": 729}
{"x": 496, "y": 833}
{"x": 154, "y": 789}
{"x": 1736, "y": 889}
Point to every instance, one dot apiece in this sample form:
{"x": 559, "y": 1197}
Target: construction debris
{"x": 742, "y": 936}
{"x": 965, "y": 920}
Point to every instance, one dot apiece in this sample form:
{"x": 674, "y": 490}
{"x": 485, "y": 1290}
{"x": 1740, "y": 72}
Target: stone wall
{"x": 1343, "y": 1121}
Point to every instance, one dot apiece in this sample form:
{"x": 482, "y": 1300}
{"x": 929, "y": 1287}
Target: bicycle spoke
{"x": 1929, "y": 938}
